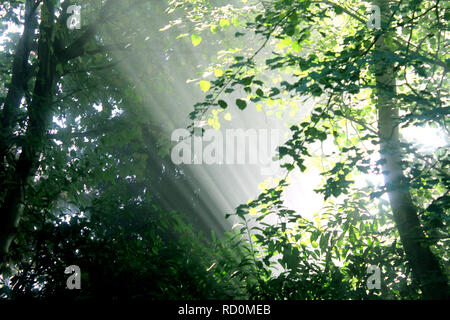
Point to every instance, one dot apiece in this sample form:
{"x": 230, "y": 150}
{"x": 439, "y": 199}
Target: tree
{"x": 86, "y": 175}
{"x": 362, "y": 76}
{"x": 98, "y": 186}
{"x": 54, "y": 50}
{"x": 77, "y": 71}
{"x": 424, "y": 264}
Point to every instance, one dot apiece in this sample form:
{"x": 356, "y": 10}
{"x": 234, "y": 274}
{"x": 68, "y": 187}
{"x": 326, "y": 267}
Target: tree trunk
{"x": 16, "y": 175}
{"x": 39, "y": 117}
{"x": 16, "y": 90}
{"x": 425, "y": 267}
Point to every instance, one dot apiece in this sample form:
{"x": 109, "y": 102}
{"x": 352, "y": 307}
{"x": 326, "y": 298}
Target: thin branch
{"x": 360, "y": 122}
{"x": 398, "y": 40}
{"x": 268, "y": 36}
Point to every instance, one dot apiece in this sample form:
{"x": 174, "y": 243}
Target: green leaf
{"x": 241, "y": 104}
{"x": 196, "y": 39}
{"x": 205, "y": 85}
{"x": 284, "y": 43}
{"x": 315, "y": 235}
{"x": 247, "y": 81}
{"x": 214, "y": 28}
{"x": 338, "y": 10}
{"x": 259, "y": 92}
{"x": 324, "y": 241}
{"x": 296, "y": 46}
{"x": 316, "y": 90}
{"x": 224, "y": 23}
{"x": 274, "y": 92}
{"x": 222, "y": 104}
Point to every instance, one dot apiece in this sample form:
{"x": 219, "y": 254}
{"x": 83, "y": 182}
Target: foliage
{"x": 103, "y": 192}
{"x": 321, "y": 54}
{"x": 101, "y": 195}
{"x": 139, "y": 252}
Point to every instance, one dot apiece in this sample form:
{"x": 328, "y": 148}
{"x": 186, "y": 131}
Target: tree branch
{"x": 76, "y": 48}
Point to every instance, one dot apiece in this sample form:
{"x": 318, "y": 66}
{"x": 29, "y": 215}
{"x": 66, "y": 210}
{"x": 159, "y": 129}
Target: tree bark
{"x": 20, "y": 76}
{"x": 39, "y": 117}
{"x": 425, "y": 266}
{"x": 51, "y": 50}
